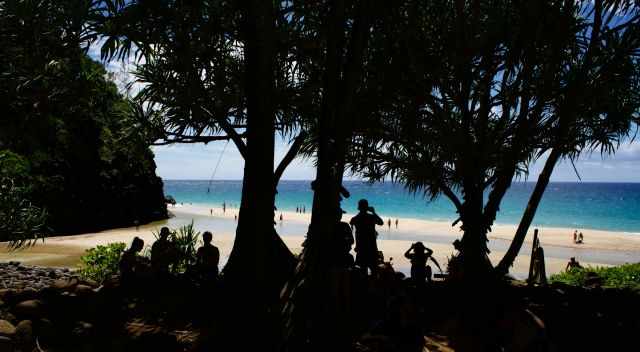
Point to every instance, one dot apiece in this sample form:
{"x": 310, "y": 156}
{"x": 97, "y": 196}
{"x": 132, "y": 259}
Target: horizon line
{"x": 361, "y": 180}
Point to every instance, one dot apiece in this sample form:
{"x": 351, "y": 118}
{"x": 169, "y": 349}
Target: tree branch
{"x": 288, "y": 158}
{"x": 231, "y": 132}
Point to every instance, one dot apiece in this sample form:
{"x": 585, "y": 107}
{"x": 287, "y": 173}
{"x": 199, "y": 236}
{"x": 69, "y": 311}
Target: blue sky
{"x": 195, "y": 161}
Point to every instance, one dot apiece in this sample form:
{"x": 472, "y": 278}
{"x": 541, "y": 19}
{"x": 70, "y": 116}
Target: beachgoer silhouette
{"x": 163, "y": 253}
{"x": 210, "y": 211}
{"x": 207, "y": 257}
{"x": 224, "y": 207}
{"x": 297, "y": 210}
{"x": 575, "y": 236}
{"x": 366, "y": 247}
{"x": 573, "y": 264}
{"x": 235, "y": 218}
{"x": 342, "y": 242}
{"x": 580, "y": 238}
{"x": 396, "y": 223}
{"x": 280, "y": 217}
{"x": 389, "y": 223}
{"x": 304, "y": 209}
{"x": 420, "y": 271}
{"x": 131, "y": 264}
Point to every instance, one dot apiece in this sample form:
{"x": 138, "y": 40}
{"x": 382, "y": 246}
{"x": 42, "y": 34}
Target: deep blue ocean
{"x": 604, "y": 206}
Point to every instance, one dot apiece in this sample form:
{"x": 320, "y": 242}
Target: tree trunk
{"x": 474, "y": 254}
{"x": 257, "y": 249}
{"x": 527, "y": 217}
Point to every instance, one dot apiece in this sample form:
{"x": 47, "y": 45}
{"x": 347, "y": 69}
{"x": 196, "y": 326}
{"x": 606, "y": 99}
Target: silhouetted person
{"x": 575, "y": 236}
{"x": 163, "y": 253}
{"x": 297, "y": 209}
{"x": 207, "y": 257}
{"x": 580, "y": 238}
{"x": 131, "y": 265}
{"x": 210, "y": 211}
{"x": 366, "y": 247}
{"x": 235, "y": 218}
{"x": 418, "y": 254}
{"x": 396, "y": 223}
{"x": 304, "y": 209}
{"x": 342, "y": 242}
{"x": 224, "y": 207}
{"x": 389, "y": 223}
{"x": 573, "y": 264}
{"x": 280, "y": 217}
{"x": 137, "y": 224}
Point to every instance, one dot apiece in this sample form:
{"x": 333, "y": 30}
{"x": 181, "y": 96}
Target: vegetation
{"x": 185, "y": 239}
{"x": 85, "y": 163}
{"x": 623, "y": 276}
{"x": 100, "y": 262}
{"x": 490, "y": 87}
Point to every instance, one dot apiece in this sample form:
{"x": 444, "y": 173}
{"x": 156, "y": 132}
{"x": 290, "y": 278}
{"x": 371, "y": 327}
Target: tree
{"x": 484, "y": 86}
{"x": 600, "y": 98}
{"x": 211, "y": 67}
{"x": 63, "y": 116}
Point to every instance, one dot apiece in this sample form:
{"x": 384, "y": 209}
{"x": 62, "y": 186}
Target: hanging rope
{"x": 217, "y": 164}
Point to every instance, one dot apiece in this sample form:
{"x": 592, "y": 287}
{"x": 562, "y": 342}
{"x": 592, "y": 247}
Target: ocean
{"x": 601, "y": 206}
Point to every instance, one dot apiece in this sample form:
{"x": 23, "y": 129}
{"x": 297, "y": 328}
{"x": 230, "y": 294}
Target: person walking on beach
{"x": 304, "y": 209}
{"x": 366, "y": 247}
{"x": 575, "y": 236}
{"x": 211, "y": 212}
{"x": 389, "y": 223}
{"x": 580, "y": 238}
{"x": 224, "y": 207}
{"x": 280, "y": 218}
{"x": 396, "y": 223}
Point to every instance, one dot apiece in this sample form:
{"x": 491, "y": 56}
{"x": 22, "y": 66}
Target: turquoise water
{"x": 604, "y": 206}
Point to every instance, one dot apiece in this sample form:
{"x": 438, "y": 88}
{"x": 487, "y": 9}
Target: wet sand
{"x": 600, "y": 248}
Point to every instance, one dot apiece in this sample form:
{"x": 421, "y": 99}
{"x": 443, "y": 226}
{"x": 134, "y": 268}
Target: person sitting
{"x": 573, "y": 264}
{"x": 163, "y": 253}
{"x": 131, "y": 265}
{"x": 207, "y": 257}
{"x": 420, "y": 271}
{"x": 342, "y": 242}
{"x": 580, "y": 238}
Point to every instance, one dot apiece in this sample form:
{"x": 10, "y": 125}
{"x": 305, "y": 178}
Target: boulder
{"x": 6, "y": 294}
{"x": 6, "y": 345}
{"x": 7, "y": 329}
{"x": 29, "y": 309}
{"x": 65, "y": 284}
{"x": 24, "y": 335}
{"x": 83, "y": 290}
{"x": 24, "y": 295}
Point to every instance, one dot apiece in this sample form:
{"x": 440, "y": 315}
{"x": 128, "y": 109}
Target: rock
{"x": 24, "y": 335}
{"x": 25, "y": 295}
{"x": 6, "y": 294}
{"x": 29, "y": 309}
{"x": 65, "y": 284}
{"x": 7, "y": 329}
{"x": 1, "y": 304}
{"x": 6, "y": 345}
{"x": 83, "y": 290}
{"x": 82, "y": 329}
{"x": 52, "y": 274}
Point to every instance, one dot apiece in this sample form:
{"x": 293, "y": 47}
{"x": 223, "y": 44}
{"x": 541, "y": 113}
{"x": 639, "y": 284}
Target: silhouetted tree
{"x": 485, "y": 84}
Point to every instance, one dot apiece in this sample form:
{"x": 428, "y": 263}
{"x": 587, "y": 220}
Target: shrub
{"x": 623, "y": 276}
{"x": 102, "y": 261}
{"x": 185, "y": 239}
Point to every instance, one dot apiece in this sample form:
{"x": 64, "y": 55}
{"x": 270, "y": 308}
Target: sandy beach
{"x": 599, "y": 247}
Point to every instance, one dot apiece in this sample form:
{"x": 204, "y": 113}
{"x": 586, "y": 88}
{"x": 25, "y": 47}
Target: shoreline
{"x": 601, "y": 248}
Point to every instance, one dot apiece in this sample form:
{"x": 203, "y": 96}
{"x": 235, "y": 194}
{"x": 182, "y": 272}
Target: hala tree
{"x": 485, "y": 87}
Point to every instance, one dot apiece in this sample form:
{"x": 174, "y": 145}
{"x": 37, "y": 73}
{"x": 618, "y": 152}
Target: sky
{"x": 198, "y": 161}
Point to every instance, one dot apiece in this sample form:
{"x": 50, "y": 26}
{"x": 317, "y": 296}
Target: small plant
{"x": 185, "y": 239}
{"x": 623, "y": 276}
{"x": 102, "y": 261}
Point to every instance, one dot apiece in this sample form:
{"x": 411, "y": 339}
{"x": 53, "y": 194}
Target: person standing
{"x": 396, "y": 223}
{"x": 366, "y": 247}
{"x": 389, "y": 223}
{"x": 208, "y": 257}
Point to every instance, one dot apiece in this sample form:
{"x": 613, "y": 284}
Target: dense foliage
{"x": 185, "y": 239}
{"x": 623, "y": 276}
{"x": 85, "y": 161}
{"x": 102, "y": 261}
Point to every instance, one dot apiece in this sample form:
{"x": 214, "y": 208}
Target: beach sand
{"x": 600, "y": 248}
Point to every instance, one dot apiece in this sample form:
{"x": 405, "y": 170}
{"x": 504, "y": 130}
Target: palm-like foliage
{"x": 485, "y": 88}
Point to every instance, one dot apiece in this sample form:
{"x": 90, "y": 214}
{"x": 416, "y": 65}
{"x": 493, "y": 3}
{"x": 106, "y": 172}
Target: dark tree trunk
{"x": 474, "y": 253}
{"x": 527, "y": 218}
{"x": 258, "y": 251}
